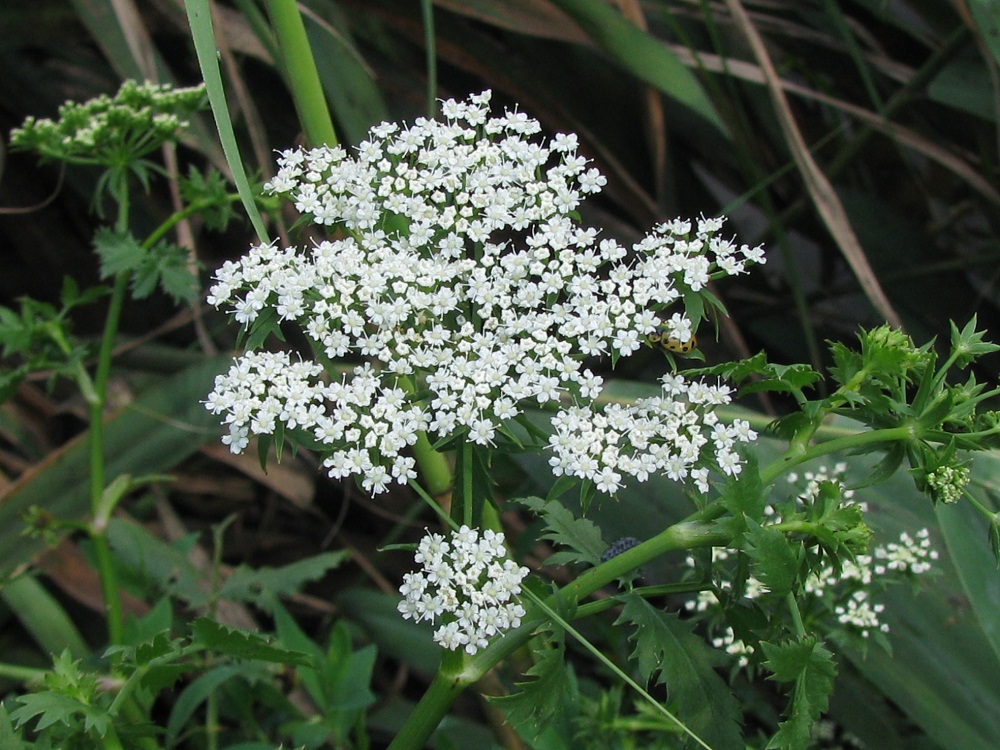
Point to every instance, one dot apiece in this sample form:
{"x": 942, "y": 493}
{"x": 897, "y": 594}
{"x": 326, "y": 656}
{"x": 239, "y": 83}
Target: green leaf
{"x": 71, "y": 697}
{"x": 203, "y": 35}
{"x": 666, "y": 646}
{"x": 10, "y": 739}
{"x": 968, "y": 344}
{"x": 194, "y": 695}
{"x": 263, "y": 586}
{"x": 167, "y": 266}
{"x": 211, "y": 193}
{"x": 582, "y": 536}
{"x": 539, "y": 699}
{"x": 776, "y": 558}
{"x": 986, "y": 15}
{"x": 810, "y": 667}
{"x": 242, "y": 644}
{"x": 409, "y": 642}
{"x": 745, "y": 498}
{"x": 118, "y": 251}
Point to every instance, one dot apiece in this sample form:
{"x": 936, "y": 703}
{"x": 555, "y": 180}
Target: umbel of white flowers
{"x": 466, "y": 583}
{"x": 459, "y": 272}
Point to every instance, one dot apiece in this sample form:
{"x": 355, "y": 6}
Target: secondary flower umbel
{"x": 460, "y": 273}
{"x": 465, "y": 582}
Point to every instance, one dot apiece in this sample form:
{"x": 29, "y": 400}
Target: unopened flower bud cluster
{"x": 467, "y": 583}
{"x": 948, "y": 483}
{"x": 846, "y": 593}
{"x": 109, "y": 130}
{"x": 461, "y": 274}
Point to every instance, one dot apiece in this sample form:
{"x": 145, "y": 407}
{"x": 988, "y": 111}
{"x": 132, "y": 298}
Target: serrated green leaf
{"x": 665, "y": 646}
{"x": 810, "y": 667}
{"x": 538, "y": 700}
{"x": 10, "y": 739}
{"x": 242, "y": 644}
{"x": 50, "y": 708}
{"x": 117, "y": 251}
{"x": 263, "y": 586}
{"x": 745, "y": 499}
{"x": 776, "y": 558}
{"x": 582, "y": 536}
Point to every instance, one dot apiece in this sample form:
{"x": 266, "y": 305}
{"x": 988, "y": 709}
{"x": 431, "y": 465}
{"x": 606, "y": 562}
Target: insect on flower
{"x": 662, "y": 338}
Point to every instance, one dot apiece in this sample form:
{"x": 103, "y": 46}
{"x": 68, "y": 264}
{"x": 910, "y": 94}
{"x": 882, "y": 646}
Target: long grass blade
{"x": 642, "y": 55}
{"x": 200, "y": 18}
{"x": 820, "y": 190}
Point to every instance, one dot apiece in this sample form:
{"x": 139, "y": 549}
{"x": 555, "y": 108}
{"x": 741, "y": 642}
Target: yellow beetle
{"x": 661, "y": 338}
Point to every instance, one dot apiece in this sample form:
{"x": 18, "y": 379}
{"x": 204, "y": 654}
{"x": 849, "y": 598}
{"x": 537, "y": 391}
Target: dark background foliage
{"x": 896, "y": 103}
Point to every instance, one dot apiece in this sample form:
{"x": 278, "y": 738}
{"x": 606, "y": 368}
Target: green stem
{"x": 430, "y": 46}
{"x": 793, "y": 608}
{"x": 22, "y": 674}
{"x": 449, "y": 682}
{"x": 433, "y": 466}
{"x": 102, "y": 552}
{"x": 793, "y": 458}
{"x": 300, "y": 70}
{"x": 178, "y": 216}
{"x": 110, "y": 740}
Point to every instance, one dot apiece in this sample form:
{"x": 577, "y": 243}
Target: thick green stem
{"x": 22, "y": 674}
{"x": 300, "y": 70}
{"x": 449, "y": 682}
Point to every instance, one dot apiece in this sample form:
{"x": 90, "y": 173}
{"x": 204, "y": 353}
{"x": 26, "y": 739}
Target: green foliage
{"x": 39, "y": 335}
{"x": 163, "y": 265}
{"x": 776, "y": 559}
{"x": 209, "y": 194}
{"x": 920, "y": 405}
{"x": 540, "y": 699}
{"x": 580, "y": 535}
{"x": 241, "y": 644}
{"x": 264, "y": 586}
{"x": 667, "y": 648}
{"x": 810, "y": 669}
{"x": 70, "y": 703}
{"x": 336, "y": 680}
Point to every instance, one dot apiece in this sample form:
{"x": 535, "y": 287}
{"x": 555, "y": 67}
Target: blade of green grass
{"x": 200, "y": 19}
{"x": 642, "y": 55}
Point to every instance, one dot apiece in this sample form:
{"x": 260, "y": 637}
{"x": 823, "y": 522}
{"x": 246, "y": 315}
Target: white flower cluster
{"x": 859, "y": 613}
{"x": 665, "y": 434}
{"x": 908, "y": 557}
{"x": 461, "y": 273}
{"x": 466, "y": 582}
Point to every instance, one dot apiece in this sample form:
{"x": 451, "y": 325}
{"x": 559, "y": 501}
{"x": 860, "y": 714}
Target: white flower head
{"x": 459, "y": 271}
{"x": 468, "y": 585}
